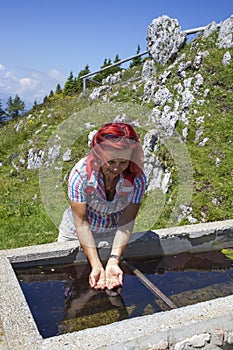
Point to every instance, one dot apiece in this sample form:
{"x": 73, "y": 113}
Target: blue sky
{"x": 43, "y": 40}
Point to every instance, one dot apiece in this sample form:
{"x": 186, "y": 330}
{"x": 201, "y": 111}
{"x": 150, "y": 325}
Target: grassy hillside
{"x": 24, "y": 220}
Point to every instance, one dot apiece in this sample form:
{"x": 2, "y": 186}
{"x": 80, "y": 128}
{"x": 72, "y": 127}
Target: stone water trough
{"x": 204, "y": 325}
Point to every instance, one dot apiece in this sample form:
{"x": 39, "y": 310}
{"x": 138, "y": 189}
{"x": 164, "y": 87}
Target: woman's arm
{"x": 97, "y": 275}
{"x": 113, "y": 272}
{"x": 125, "y": 227}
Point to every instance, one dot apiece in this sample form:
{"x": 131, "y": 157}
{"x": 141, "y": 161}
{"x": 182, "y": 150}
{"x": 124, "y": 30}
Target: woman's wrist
{"x": 114, "y": 256}
{"x": 96, "y": 265}
{"x": 114, "y": 259}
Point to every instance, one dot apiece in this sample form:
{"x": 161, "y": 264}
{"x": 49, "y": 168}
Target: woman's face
{"x": 116, "y": 161}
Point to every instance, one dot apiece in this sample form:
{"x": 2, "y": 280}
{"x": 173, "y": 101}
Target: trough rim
{"x": 20, "y": 330}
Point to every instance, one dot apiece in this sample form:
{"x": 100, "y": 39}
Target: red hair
{"x": 100, "y": 143}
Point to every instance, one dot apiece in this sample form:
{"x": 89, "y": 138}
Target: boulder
{"x": 225, "y": 39}
{"x": 164, "y": 39}
{"x": 148, "y": 70}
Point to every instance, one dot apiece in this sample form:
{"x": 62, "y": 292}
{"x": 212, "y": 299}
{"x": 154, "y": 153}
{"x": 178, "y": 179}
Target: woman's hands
{"x": 114, "y": 274}
{"x": 110, "y": 278}
{"x": 97, "y": 279}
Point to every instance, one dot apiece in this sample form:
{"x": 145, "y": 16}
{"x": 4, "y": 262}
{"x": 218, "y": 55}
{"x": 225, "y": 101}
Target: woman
{"x": 105, "y": 191}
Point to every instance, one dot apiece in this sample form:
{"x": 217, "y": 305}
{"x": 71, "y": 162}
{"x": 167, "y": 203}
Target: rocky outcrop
{"x": 226, "y": 58}
{"x": 173, "y": 104}
{"x": 148, "y": 70}
{"x": 96, "y": 93}
{"x": 112, "y": 79}
{"x": 35, "y": 158}
{"x": 164, "y": 39}
{"x": 225, "y": 36}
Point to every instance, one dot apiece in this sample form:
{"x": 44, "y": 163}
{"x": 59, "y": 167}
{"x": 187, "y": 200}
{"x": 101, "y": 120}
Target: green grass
{"x": 23, "y": 217}
{"x": 228, "y": 252}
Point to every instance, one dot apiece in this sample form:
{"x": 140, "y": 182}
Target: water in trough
{"x": 61, "y": 300}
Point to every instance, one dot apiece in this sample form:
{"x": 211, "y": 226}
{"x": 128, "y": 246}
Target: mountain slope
{"x": 188, "y": 107}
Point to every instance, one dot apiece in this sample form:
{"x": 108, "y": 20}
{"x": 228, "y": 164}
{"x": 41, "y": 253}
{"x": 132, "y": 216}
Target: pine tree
{"x": 85, "y": 71}
{"x": 117, "y": 68}
{"x": 35, "y": 105}
{"x": 117, "y": 59}
{"x": 79, "y": 80}
{"x": 106, "y": 63}
{"x": 51, "y": 94}
{"x": 76, "y": 86}
{"x": 14, "y": 106}
{"x": 58, "y": 90}
{"x": 2, "y": 113}
{"x": 137, "y": 60}
{"x": 102, "y": 75}
{"x": 69, "y": 87}
{"x": 1, "y": 109}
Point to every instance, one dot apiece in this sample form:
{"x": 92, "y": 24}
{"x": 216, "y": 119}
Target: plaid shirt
{"x": 103, "y": 215}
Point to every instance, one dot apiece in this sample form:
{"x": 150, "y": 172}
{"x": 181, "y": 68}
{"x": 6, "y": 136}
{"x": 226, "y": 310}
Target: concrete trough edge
{"x": 168, "y": 241}
{"x": 20, "y": 331}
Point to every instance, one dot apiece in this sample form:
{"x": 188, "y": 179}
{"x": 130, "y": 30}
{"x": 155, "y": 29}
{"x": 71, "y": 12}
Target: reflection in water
{"x": 61, "y": 300}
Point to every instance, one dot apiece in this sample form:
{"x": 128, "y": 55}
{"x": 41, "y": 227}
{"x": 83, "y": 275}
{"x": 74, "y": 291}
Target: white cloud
{"x": 55, "y": 74}
{"x": 29, "y": 84}
{"x": 7, "y": 82}
{"x": 2, "y": 67}
{"x": 9, "y": 75}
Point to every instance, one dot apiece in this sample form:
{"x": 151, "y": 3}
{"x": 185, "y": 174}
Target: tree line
{"x": 73, "y": 85}
{"x": 13, "y": 108}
